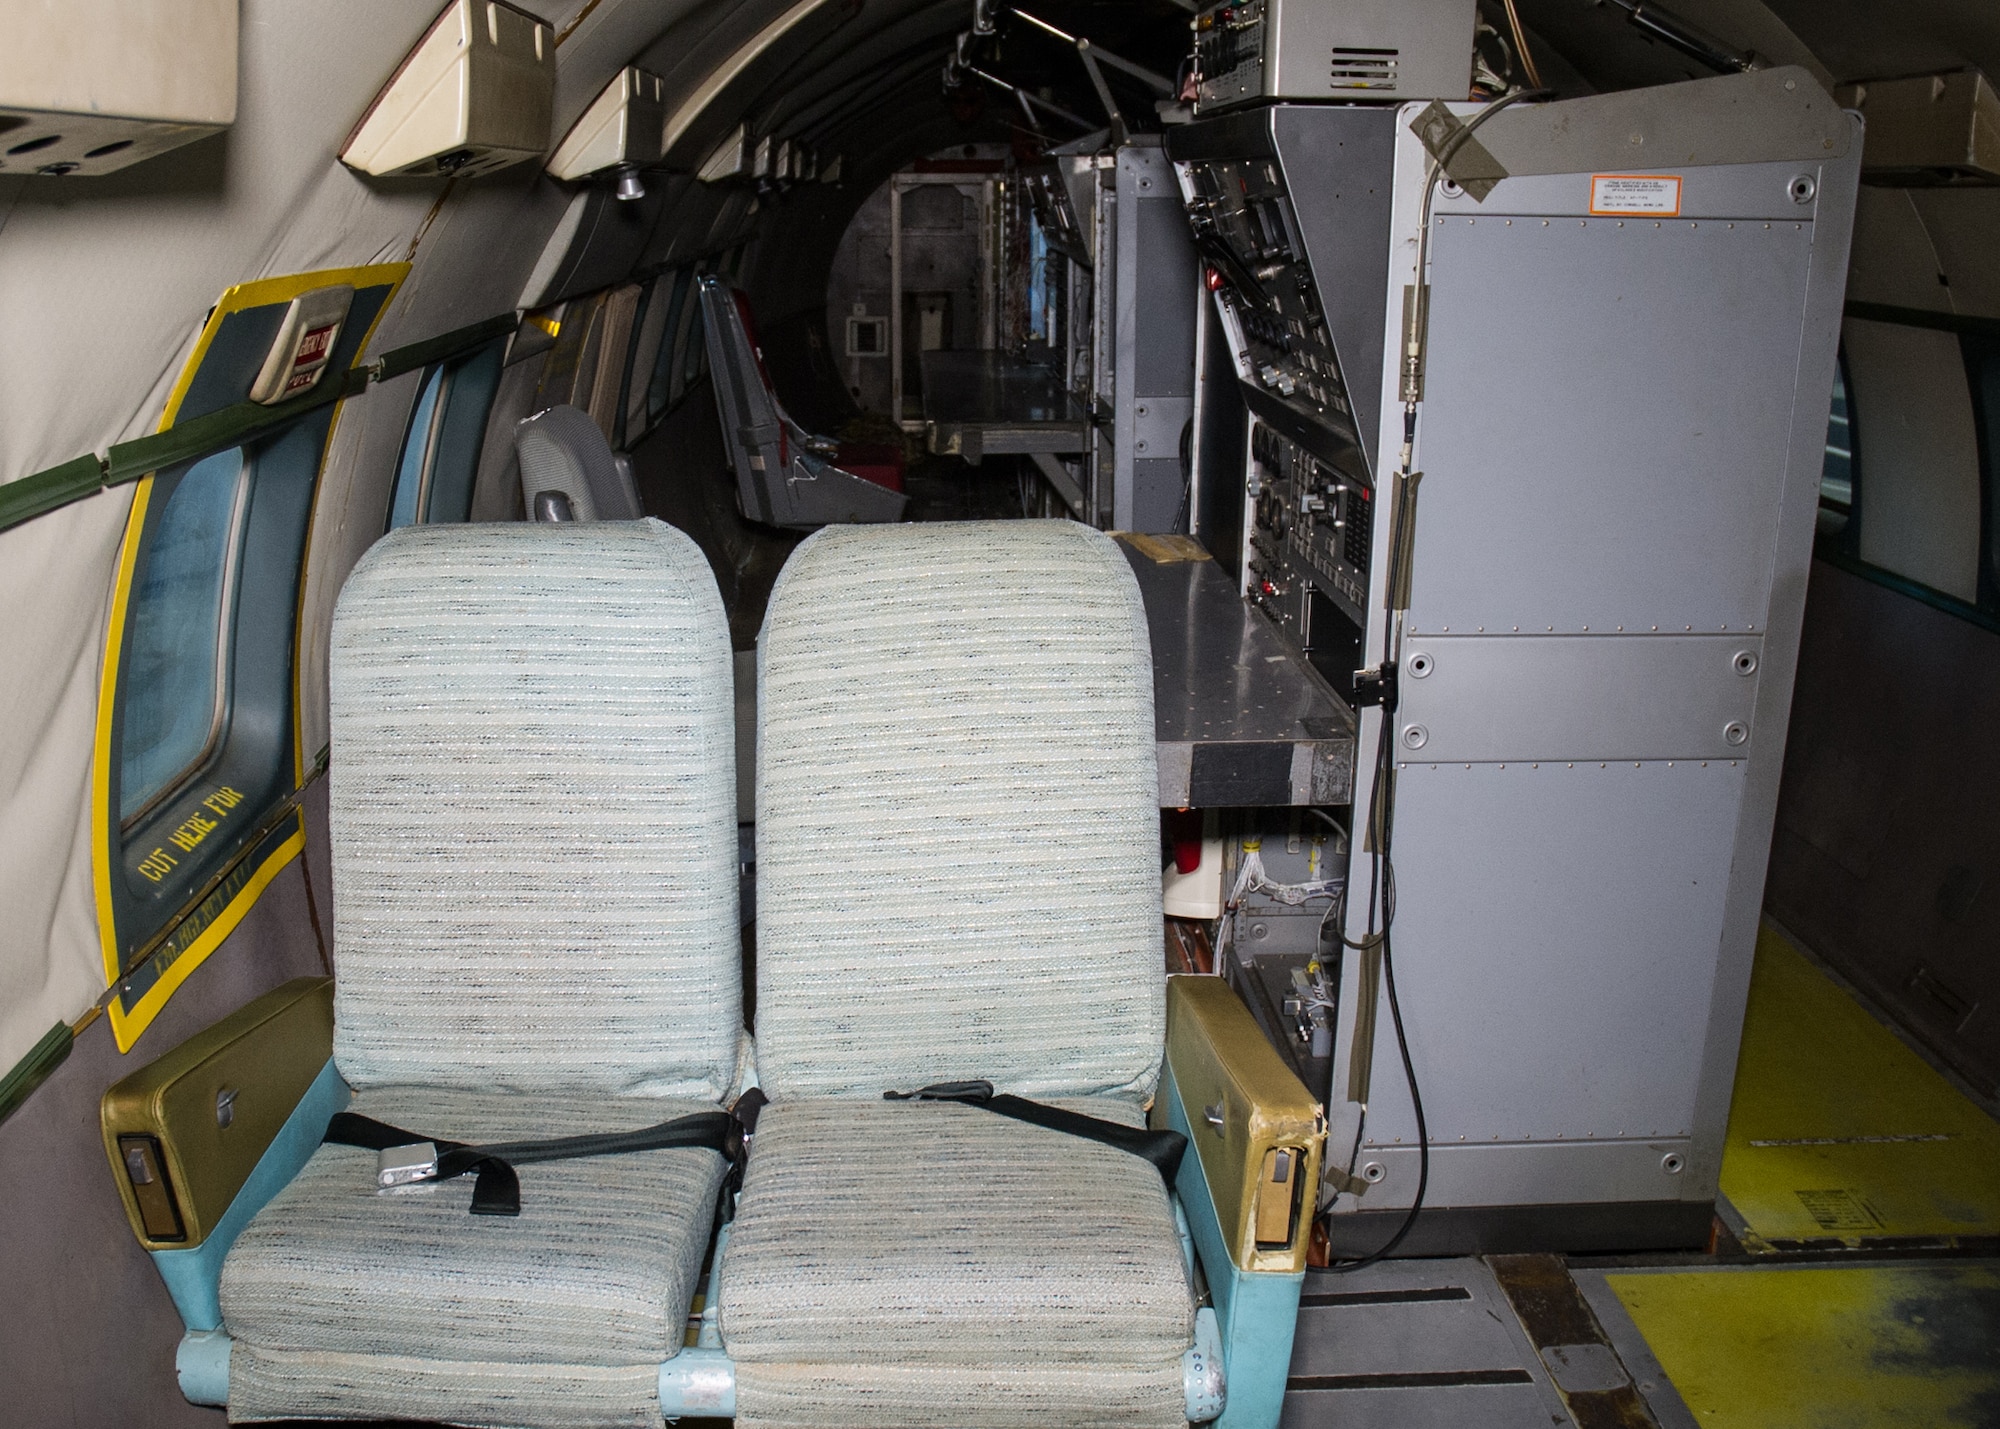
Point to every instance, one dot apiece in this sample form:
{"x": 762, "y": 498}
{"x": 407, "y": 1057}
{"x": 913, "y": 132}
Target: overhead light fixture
{"x": 618, "y": 135}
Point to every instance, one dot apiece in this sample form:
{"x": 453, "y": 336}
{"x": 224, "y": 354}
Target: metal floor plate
{"x": 1807, "y": 1345}
{"x": 1839, "y": 1133}
{"x": 1421, "y": 1344}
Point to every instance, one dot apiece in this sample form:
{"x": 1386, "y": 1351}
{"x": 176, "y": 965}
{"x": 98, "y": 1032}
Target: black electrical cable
{"x": 1382, "y": 801}
{"x": 1184, "y": 516}
{"x": 1382, "y": 940}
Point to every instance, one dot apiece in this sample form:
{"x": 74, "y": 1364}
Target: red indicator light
{"x": 1213, "y": 278}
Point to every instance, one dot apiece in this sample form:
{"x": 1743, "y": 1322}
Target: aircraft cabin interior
{"x": 950, "y": 714}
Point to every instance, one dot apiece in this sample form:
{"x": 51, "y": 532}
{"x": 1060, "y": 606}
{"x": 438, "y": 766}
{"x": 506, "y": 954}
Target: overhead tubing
{"x": 719, "y": 78}
{"x": 984, "y": 25}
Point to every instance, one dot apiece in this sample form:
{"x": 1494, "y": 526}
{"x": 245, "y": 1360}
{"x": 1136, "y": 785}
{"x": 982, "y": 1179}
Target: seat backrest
{"x": 562, "y": 450}
{"x": 533, "y": 813}
{"x": 958, "y": 838}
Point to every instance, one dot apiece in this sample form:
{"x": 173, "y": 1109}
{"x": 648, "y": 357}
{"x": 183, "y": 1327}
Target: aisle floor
{"x": 1863, "y": 1193}
{"x": 1840, "y": 1133}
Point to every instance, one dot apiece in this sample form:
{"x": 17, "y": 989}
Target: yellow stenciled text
{"x": 200, "y": 826}
{"x": 157, "y": 864}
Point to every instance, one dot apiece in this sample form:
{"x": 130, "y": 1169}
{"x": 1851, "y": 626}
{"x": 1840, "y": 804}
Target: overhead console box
{"x": 1930, "y": 130}
{"x": 475, "y": 95}
{"x": 621, "y": 129}
{"x": 1332, "y": 49}
{"x": 91, "y": 86}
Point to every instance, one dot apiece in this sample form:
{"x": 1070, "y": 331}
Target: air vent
{"x": 1360, "y": 68}
{"x": 1360, "y": 528}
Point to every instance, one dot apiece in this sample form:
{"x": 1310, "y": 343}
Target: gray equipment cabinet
{"x": 1631, "y": 349}
{"x": 1156, "y": 287}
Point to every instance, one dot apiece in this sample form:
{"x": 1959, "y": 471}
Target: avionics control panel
{"x": 1247, "y": 233}
{"x": 1229, "y": 53}
{"x": 1288, "y": 205}
{"x": 1306, "y": 554}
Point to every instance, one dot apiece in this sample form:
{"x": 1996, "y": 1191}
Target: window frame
{"x": 454, "y": 433}
{"x": 1979, "y": 351}
{"x": 432, "y": 376}
{"x": 172, "y": 883}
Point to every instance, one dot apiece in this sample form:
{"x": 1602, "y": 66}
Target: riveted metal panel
{"x": 1578, "y": 697}
{"x": 1611, "y": 416}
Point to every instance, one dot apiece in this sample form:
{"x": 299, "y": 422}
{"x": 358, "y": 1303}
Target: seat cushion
{"x": 872, "y": 1396}
{"x": 597, "y": 1272}
{"x": 925, "y": 1238}
{"x": 272, "y": 1384}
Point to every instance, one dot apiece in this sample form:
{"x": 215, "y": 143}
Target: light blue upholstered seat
{"x": 533, "y": 810}
{"x": 958, "y": 877}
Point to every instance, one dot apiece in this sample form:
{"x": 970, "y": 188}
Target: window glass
{"x": 1836, "y": 480}
{"x": 174, "y": 687}
{"x": 659, "y": 391}
{"x": 406, "y": 507}
{"x": 1914, "y": 421}
{"x": 650, "y": 328}
{"x": 459, "y": 432}
{"x": 1982, "y": 371}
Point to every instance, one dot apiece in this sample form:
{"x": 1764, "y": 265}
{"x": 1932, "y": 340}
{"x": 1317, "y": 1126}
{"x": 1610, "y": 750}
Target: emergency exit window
{"x": 176, "y": 685}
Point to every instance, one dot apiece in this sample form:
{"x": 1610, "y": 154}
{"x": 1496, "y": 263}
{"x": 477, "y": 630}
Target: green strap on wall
{"x": 218, "y": 431}
{"x": 46, "y": 490}
{"x": 34, "y": 1069}
{"x": 202, "y": 436}
{"x": 399, "y": 360}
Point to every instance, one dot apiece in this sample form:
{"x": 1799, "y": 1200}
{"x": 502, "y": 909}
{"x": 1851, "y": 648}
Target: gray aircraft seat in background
{"x": 569, "y": 472}
{"x": 786, "y": 476}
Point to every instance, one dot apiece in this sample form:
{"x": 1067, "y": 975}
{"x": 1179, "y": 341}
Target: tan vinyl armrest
{"x": 1258, "y": 1131}
{"x": 184, "y": 1132}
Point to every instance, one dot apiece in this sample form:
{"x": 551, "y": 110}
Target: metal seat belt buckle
{"x": 405, "y": 1165}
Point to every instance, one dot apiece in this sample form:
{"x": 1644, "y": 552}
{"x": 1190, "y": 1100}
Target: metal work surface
{"x": 1242, "y": 720}
{"x": 992, "y": 403}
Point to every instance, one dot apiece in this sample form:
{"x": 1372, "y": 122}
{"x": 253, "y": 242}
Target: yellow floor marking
{"x": 1838, "y": 1130}
{"x": 1826, "y": 1347}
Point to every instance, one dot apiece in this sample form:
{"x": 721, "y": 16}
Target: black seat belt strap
{"x": 497, "y": 1189}
{"x": 1163, "y": 1148}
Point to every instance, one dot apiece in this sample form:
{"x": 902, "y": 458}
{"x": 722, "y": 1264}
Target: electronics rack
{"x": 1307, "y": 363}
{"x": 1306, "y": 562}
{"x": 1250, "y": 50}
